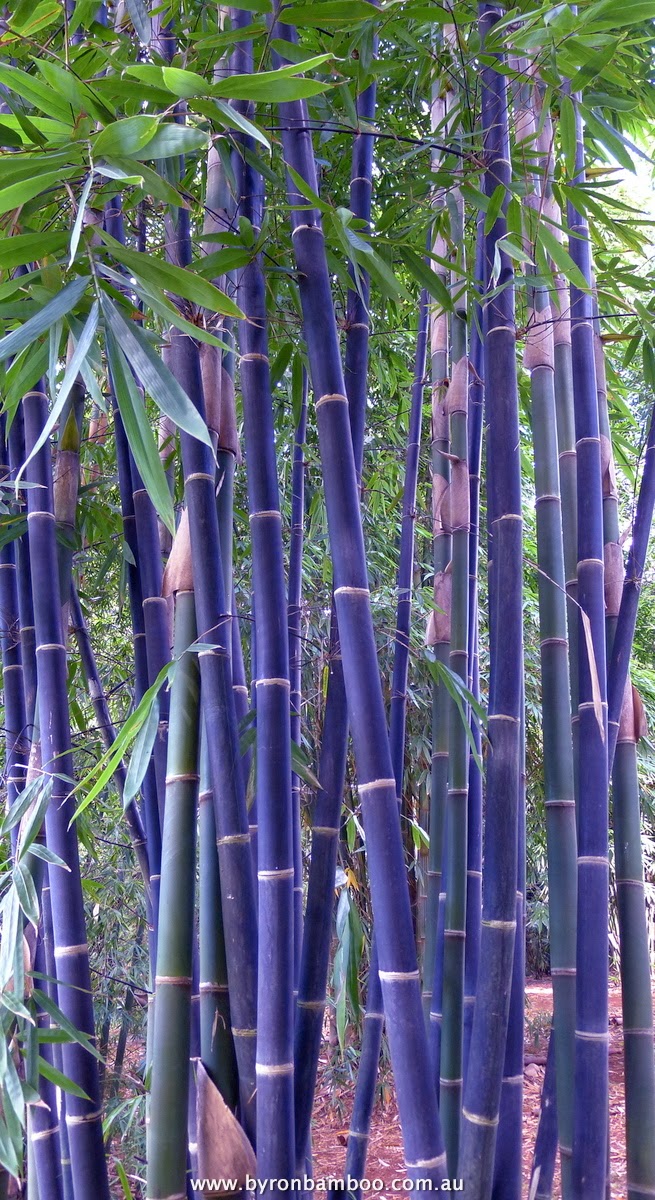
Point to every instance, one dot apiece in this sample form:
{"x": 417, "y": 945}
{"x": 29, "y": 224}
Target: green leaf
{"x": 140, "y": 19}
{"x": 301, "y": 768}
{"x": 155, "y": 376}
{"x": 561, "y": 258}
{"x": 60, "y": 1080}
{"x": 23, "y": 248}
{"x": 142, "y": 753}
{"x": 139, "y": 434}
{"x": 79, "y": 218}
{"x": 178, "y": 280}
{"x": 72, "y": 371}
{"x": 427, "y": 278}
{"x": 150, "y": 180}
{"x": 36, "y": 93}
{"x": 229, "y": 118}
{"x": 27, "y": 333}
{"x": 21, "y": 805}
{"x": 48, "y": 1005}
{"x": 19, "y": 193}
{"x": 26, "y": 892}
{"x": 99, "y": 776}
{"x": 172, "y": 140}
{"x": 496, "y": 201}
{"x": 273, "y": 87}
{"x": 126, "y": 137}
{"x": 568, "y": 134}
{"x": 331, "y": 12}
{"x": 649, "y": 363}
{"x": 33, "y": 820}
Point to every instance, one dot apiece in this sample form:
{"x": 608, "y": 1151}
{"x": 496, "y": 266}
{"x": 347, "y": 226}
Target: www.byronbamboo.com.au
{"x": 326, "y": 1184}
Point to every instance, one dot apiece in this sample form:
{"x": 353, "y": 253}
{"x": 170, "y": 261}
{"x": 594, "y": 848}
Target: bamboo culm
{"x": 392, "y": 914}
{"x": 488, "y": 1035}
{"x": 590, "y": 1122}
{"x": 83, "y": 1116}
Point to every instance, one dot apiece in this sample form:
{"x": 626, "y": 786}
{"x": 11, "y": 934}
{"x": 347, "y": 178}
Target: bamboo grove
{"x": 269, "y": 652}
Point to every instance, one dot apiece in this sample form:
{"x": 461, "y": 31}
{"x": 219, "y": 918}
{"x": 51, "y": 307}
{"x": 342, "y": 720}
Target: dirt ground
{"x": 385, "y": 1157}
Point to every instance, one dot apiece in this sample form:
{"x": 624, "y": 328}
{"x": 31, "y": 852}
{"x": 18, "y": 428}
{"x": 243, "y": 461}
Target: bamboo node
{"x": 589, "y": 1035}
{"x": 356, "y": 1134}
{"x": 212, "y": 989}
{"x": 312, "y": 1005}
{"x": 253, "y": 357}
{"x": 266, "y": 512}
{"x": 173, "y": 980}
{"x": 273, "y": 682}
{"x": 398, "y": 976}
{"x": 235, "y": 839}
{"x": 69, "y": 951}
{"x": 506, "y": 926}
{"x": 199, "y": 475}
{"x": 85, "y": 1119}
{"x": 475, "y": 1119}
{"x": 352, "y": 591}
{"x": 648, "y": 1032}
{"x": 324, "y": 830}
{"x": 244, "y": 1032}
{"x": 44, "y": 1133}
{"x": 273, "y": 1069}
{"x": 373, "y": 1016}
{"x": 50, "y": 646}
{"x": 276, "y": 874}
{"x": 593, "y": 860}
{"x": 427, "y": 1163}
{"x": 189, "y": 777}
{"x": 373, "y": 784}
{"x": 451, "y": 1083}
{"x": 331, "y": 398}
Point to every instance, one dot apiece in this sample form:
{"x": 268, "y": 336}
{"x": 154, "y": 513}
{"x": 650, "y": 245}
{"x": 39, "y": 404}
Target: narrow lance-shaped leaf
{"x": 139, "y": 433}
{"x": 57, "y": 308}
{"x": 72, "y": 371}
{"x": 153, "y": 374}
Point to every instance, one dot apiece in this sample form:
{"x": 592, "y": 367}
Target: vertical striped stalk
{"x": 213, "y": 617}
{"x": 509, "y": 1141}
{"x": 612, "y": 551}
{"x": 332, "y": 765}
{"x": 51, "y": 988}
{"x": 83, "y": 1116}
{"x": 368, "y": 1067}
{"x": 539, "y": 360}
{"x": 474, "y": 836}
{"x": 635, "y": 957}
{"x": 590, "y": 1120}
{"x": 625, "y": 626}
{"x": 456, "y": 513}
{"x": 438, "y": 630}
{"x": 44, "y": 1126}
{"x": 488, "y": 1035}
{"x": 275, "y": 1001}
{"x": 545, "y": 1147}
{"x": 16, "y": 447}
{"x": 320, "y": 885}
{"x": 167, "y": 1132}
{"x": 390, "y": 897}
{"x": 16, "y": 737}
{"x": 294, "y": 603}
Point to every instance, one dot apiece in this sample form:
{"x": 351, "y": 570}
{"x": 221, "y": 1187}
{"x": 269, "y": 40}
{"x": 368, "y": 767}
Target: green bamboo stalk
{"x": 167, "y": 1133}
{"x": 637, "y": 1003}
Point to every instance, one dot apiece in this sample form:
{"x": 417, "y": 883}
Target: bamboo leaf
{"x": 140, "y": 19}
{"x": 77, "y": 227}
{"x": 26, "y": 892}
{"x": 273, "y": 87}
{"x": 33, "y": 820}
{"x": 35, "y": 92}
{"x": 496, "y": 201}
{"x": 125, "y": 138}
{"x": 48, "y": 1005}
{"x": 427, "y": 278}
{"x": 142, "y": 753}
{"x": 72, "y": 371}
{"x": 231, "y": 119}
{"x": 562, "y": 258}
{"x": 332, "y": 12}
{"x": 23, "y": 248}
{"x": 99, "y": 776}
{"x": 172, "y": 278}
{"x": 158, "y": 381}
{"x": 60, "y": 1080}
{"x": 568, "y": 134}
{"x": 57, "y": 308}
{"x": 21, "y": 805}
{"x": 19, "y": 193}
{"x": 48, "y": 856}
{"x": 301, "y": 768}
{"x": 139, "y": 434}
{"x": 171, "y": 140}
